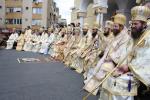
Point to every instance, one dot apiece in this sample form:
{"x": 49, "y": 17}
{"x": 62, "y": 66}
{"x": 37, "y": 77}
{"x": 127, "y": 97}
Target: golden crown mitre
{"x": 63, "y": 30}
{"x": 77, "y": 29}
{"x": 69, "y": 29}
{"x": 96, "y": 25}
{"x": 120, "y": 19}
{"x": 50, "y": 29}
{"x": 138, "y": 1}
{"x": 86, "y": 26}
{"x": 109, "y": 24}
{"x": 140, "y": 13}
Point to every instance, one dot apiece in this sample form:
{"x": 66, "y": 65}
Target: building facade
{"x": 22, "y": 13}
{"x": 2, "y": 13}
{"x": 90, "y": 11}
{"x": 62, "y": 21}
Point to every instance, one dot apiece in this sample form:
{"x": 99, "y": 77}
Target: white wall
{"x": 27, "y": 14}
{"x": 45, "y": 13}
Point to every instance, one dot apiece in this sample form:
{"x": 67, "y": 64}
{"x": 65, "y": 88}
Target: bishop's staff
{"x": 118, "y": 65}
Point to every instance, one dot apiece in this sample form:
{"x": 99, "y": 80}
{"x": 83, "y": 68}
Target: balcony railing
{"x": 36, "y": 16}
{"x": 13, "y": 15}
{"x": 13, "y": 3}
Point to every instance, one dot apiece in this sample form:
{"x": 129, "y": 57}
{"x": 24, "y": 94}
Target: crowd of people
{"x": 114, "y": 60}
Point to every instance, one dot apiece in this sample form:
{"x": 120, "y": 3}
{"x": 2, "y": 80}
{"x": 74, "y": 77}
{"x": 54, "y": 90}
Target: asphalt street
{"x": 37, "y": 81}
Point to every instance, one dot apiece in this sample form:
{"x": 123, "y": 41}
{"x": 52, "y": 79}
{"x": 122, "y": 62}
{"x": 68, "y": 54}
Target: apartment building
{"x": 22, "y": 13}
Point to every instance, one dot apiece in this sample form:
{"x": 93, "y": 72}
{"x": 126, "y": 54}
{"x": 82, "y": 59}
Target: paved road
{"x": 37, "y": 81}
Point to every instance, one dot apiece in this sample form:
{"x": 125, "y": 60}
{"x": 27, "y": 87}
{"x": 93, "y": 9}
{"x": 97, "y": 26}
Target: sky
{"x": 65, "y": 8}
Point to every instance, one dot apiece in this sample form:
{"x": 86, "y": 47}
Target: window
{"x": 11, "y": 10}
{"x": 36, "y": 22}
{"x": 9, "y": 21}
{"x": 37, "y": 0}
{"x": 13, "y": 21}
{"x": 20, "y": 21}
{"x": 17, "y": 9}
{"x": 37, "y": 10}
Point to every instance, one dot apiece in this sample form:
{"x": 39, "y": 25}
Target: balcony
{"x": 36, "y": 16}
{"x": 35, "y": 27}
{"x": 13, "y": 15}
{"x": 37, "y": 4}
{"x": 10, "y": 26}
{"x": 13, "y": 3}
